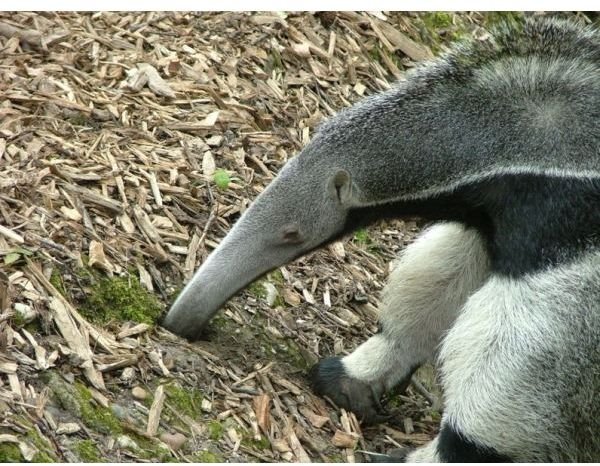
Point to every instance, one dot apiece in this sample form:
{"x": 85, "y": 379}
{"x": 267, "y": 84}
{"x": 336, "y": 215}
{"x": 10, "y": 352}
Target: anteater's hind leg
{"x": 432, "y": 281}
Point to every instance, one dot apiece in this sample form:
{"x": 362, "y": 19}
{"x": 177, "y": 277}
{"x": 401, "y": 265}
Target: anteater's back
{"x": 526, "y": 100}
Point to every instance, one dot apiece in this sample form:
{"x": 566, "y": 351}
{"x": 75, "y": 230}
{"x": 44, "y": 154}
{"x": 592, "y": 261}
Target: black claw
{"x": 329, "y": 379}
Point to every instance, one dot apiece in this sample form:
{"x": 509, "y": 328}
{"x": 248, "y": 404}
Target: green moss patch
{"x": 286, "y": 350}
{"x": 95, "y": 416}
{"x": 41, "y": 457}
{"x": 10, "y": 453}
{"x": 496, "y": 18}
{"x": 58, "y": 282}
{"x": 437, "y": 19}
{"x": 18, "y": 320}
{"x": 276, "y": 277}
{"x": 249, "y": 441}
{"x": 184, "y": 400}
{"x": 62, "y": 392}
{"x": 45, "y": 452}
{"x": 120, "y": 299}
{"x": 151, "y": 449}
{"x": 87, "y": 452}
{"x": 257, "y": 290}
{"x": 81, "y": 119}
{"x": 215, "y": 430}
{"x": 439, "y": 28}
{"x": 206, "y": 457}
{"x": 78, "y": 400}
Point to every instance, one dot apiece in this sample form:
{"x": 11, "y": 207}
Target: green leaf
{"x": 23, "y": 251}
{"x": 221, "y": 179}
{"x": 11, "y": 258}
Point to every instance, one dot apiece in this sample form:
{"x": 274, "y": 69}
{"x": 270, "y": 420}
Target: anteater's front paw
{"x": 328, "y": 378}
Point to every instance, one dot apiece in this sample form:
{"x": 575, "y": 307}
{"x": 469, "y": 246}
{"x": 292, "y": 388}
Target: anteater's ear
{"x": 342, "y": 188}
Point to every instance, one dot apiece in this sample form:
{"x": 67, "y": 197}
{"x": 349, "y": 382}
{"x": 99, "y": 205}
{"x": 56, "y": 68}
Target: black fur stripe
{"x": 455, "y": 447}
{"x": 530, "y": 221}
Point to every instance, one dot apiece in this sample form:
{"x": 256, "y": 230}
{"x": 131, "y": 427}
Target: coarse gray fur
{"x": 499, "y": 139}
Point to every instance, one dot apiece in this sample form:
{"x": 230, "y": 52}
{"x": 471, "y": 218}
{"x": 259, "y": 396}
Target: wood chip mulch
{"x": 112, "y": 128}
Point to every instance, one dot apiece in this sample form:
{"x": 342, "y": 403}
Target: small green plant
{"x": 362, "y": 236}
{"x": 221, "y": 179}
{"x": 16, "y": 255}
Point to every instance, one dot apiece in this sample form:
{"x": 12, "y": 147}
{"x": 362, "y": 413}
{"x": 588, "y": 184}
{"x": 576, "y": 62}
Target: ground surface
{"x": 129, "y": 144}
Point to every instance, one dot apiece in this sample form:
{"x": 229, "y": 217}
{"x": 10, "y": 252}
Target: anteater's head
{"x": 305, "y": 206}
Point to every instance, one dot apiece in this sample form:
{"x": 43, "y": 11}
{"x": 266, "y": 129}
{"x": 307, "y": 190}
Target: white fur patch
{"x": 426, "y": 454}
{"x": 432, "y": 281}
{"x": 515, "y": 358}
